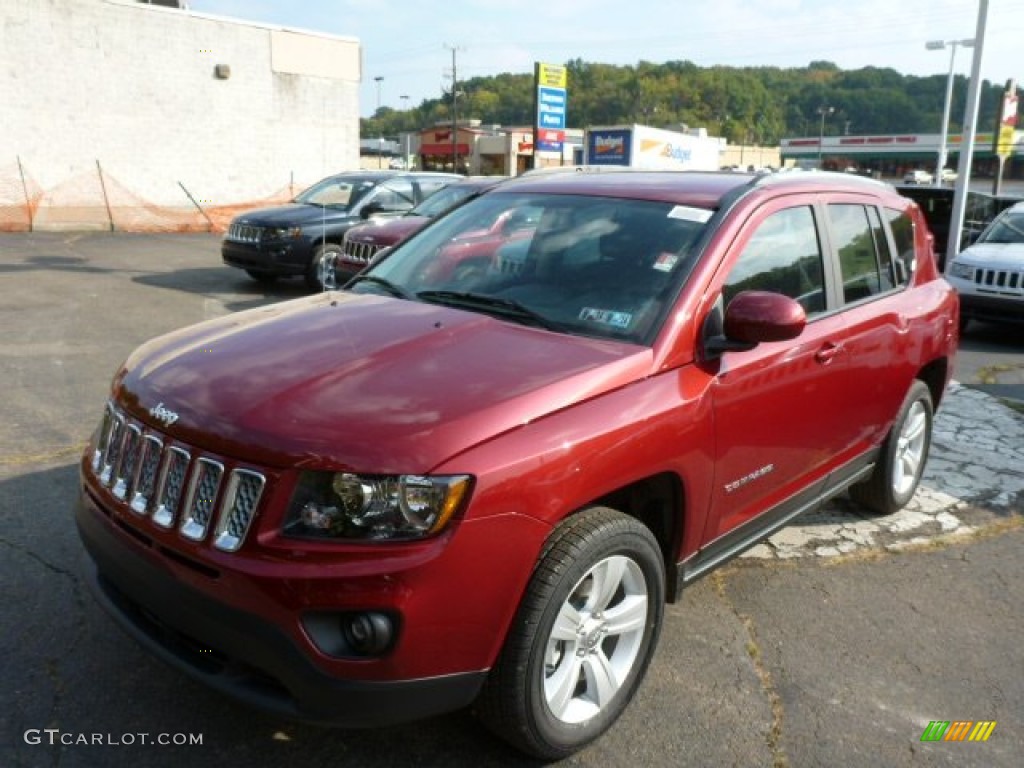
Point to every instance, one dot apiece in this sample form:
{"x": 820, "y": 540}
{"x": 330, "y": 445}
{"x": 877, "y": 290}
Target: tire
{"x": 582, "y": 638}
{"x": 321, "y": 275}
{"x": 903, "y": 456}
{"x": 261, "y": 277}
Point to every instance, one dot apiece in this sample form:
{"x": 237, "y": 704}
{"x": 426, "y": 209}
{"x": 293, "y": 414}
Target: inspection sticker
{"x": 686, "y": 213}
{"x": 607, "y": 317}
{"x": 665, "y": 261}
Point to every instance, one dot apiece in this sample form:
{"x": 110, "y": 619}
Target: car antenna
{"x": 323, "y": 247}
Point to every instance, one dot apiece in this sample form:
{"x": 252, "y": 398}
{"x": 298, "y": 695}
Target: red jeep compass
{"x": 450, "y": 486}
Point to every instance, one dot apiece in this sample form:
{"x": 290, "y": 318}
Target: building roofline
{"x": 232, "y": 20}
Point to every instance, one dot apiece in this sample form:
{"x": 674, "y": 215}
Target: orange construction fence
{"x": 97, "y": 200}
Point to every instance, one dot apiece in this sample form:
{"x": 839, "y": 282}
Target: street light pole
{"x": 822, "y": 111}
{"x": 405, "y": 148}
{"x": 378, "y": 79}
{"x": 938, "y": 45}
{"x": 963, "y": 178}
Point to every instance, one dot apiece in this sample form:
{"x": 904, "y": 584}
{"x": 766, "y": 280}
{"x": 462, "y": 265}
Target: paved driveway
{"x": 835, "y": 643}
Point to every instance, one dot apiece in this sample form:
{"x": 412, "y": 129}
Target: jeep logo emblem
{"x": 164, "y": 415}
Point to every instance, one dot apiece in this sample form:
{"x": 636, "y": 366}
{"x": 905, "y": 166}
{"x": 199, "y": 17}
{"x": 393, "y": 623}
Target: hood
{"x": 994, "y": 255}
{"x": 364, "y": 383}
{"x": 292, "y": 214}
{"x": 388, "y": 231}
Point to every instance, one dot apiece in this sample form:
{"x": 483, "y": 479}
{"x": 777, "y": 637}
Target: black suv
{"x": 294, "y": 239}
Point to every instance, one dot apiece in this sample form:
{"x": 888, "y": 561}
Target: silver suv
{"x": 989, "y": 275}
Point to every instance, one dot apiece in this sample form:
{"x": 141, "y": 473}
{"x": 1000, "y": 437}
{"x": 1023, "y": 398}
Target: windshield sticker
{"x": 665, "y": 261}
{"x": 607, "y": 317}
{"x": 686, "y": 213}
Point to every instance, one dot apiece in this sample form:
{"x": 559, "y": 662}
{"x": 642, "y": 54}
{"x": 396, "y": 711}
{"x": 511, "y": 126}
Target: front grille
{"x": 359, "y": 253}
{"x": 1001, "y": 281}
{"x": 244, "y": 233}
{"x": 173, "y": 485}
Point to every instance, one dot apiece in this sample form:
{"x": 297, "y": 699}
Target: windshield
{"x": 340, "y": 193}
{"x": 443, "y": 199}
{"x": 1008, "y": 228}
{"x": 594, "y": 266}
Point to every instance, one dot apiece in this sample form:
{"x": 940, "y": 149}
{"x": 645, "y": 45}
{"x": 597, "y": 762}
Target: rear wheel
{"x": 903, "y": 456}
{"x": 582, "y": 638}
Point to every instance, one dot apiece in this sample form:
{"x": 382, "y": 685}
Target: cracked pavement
{"x": 975, "y": 471}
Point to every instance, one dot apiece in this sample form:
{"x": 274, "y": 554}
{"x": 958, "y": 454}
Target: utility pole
{"x": 455, "y": 109}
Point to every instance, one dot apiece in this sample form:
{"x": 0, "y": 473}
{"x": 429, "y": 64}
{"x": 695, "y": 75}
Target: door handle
{"x": 827, "y": 352}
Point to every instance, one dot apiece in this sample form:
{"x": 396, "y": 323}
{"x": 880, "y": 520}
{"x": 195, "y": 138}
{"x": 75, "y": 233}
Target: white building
{"x": 133, "y": 115}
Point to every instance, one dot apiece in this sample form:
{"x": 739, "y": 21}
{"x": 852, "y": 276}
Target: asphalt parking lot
{"x": 836, "y": 644}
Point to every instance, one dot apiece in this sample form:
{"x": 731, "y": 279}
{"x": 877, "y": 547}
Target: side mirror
{"x": 753, "y": 317}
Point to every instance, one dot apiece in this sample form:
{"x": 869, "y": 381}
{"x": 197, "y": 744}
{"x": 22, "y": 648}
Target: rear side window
{"x": 864, "y": 259}
{"x": 782, "y": 256}
{"x": 902, "y": 227}
{"x": 395, "y": 195}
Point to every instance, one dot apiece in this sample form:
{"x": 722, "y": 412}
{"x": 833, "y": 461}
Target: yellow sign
{"x": 1007, "y": 122}
{"x": 552, "y": 75}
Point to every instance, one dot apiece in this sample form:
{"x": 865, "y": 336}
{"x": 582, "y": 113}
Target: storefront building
{"x": 478, "y": 150}
{"x": 893, "y": 155}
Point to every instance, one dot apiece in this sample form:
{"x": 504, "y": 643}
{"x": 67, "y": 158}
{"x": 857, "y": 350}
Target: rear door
{"x": 874, "y": 272}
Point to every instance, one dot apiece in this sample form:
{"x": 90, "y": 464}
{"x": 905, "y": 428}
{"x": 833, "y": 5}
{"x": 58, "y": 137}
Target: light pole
{"x": 378, "y": 79}
{"x": 822, "y": 111}
{"x": 938, "y": 45}
{"x": 405, "y": 148}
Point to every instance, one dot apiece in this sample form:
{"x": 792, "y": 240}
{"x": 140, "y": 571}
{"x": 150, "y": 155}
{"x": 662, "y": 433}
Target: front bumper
{"x": 283, "y": 258}
{"x": 995, "y": 305}
{"x": 241, "y": 654}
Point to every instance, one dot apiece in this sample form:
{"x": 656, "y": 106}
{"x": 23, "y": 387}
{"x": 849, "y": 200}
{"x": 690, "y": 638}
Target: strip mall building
{"x": 893, "y": 155}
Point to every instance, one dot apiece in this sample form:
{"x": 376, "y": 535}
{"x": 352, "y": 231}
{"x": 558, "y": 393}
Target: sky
{"x": 409, "y": 43}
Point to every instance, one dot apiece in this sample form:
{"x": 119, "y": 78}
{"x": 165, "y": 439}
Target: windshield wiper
{"x": 509, "y": 308}
{"x": 395, "y": 290}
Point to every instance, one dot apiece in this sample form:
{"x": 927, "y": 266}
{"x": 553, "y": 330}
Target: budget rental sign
{"x": 609, "y": 147}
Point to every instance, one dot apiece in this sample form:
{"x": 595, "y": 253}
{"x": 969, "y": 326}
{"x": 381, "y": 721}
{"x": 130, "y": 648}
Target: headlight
{"x": 284, "y": 233}
{"x": 963, "y": 271}
{"x": 343, "y": 505}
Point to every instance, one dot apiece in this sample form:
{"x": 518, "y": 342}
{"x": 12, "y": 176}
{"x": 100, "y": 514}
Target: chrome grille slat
{"x": 145, "y": 480}
{"x": 113, "y": 448}
{"x": 125, "y": 472}
{"x": 172, "y": 481}
{"x": 1004, "y": 281}
{"x": 177, "y": 488}
{"x": 244, "y": 233}
{"x": 359, "y": 253}
{"x": 238, "y": 509}
{"x": 202, "y": 496}
{"x": 104, "y": 439}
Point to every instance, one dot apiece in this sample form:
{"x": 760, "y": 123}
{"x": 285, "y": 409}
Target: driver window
{"x": 782, "y": 256}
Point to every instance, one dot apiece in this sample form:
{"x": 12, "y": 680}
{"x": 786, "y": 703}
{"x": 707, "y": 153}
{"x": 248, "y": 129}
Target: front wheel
{"x": 903, "y": 456}
{"x": 582, "y": 638}
{"x": 322, "y": 274}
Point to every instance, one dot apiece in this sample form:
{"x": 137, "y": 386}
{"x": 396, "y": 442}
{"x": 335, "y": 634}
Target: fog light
{"x": 368, "y": 634}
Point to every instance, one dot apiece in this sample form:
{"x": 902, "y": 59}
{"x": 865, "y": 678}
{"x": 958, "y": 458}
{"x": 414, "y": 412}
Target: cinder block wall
{"x": 110, "y": 107}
